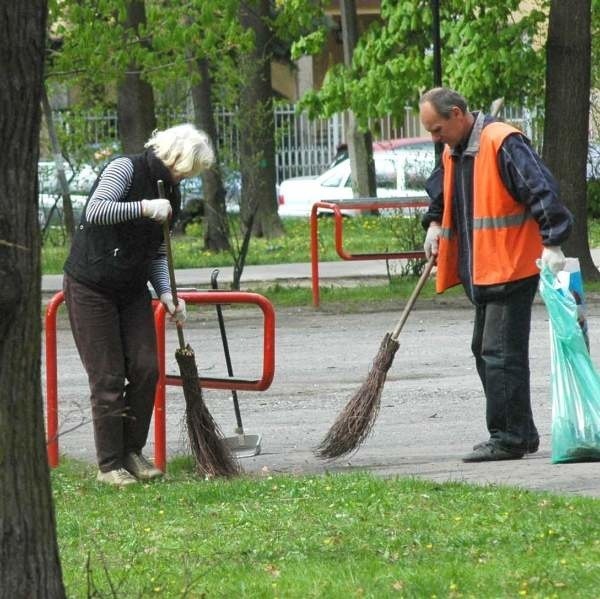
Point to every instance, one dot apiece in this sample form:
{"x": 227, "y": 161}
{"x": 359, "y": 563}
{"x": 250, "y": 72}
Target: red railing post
{"x": 52, "y": 379}
{"x": 336, "y": 207}
{"x": 314, "y": 253}
{"x": 268, "y": 371}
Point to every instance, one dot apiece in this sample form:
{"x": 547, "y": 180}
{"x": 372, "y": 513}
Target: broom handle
{"x": 413, "y": 297}
{"x": 167, "y": 236}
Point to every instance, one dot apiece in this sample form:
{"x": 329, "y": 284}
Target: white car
{"x": 50, "y": 192}
{"x": 401, "y": 169}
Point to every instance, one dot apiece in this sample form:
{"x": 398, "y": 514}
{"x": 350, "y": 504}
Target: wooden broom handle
{"x": 413, "y": 297}
{"x": 167, "y": 236}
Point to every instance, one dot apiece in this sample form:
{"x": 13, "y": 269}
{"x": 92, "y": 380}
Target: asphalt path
{"x": 432, "y": 408}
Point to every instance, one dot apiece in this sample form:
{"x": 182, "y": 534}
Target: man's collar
{"x": 472, "y": 144}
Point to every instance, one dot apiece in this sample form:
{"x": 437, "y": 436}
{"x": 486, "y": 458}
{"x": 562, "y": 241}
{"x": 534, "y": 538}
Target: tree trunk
{"x": 29, "y": 562}
{"x": 566, "y": 125}
{"x": 257, "y": 127}
{"x": 216, "y": 225}
{"x": 135, "y": 98}
{"x": 360, "y": 143}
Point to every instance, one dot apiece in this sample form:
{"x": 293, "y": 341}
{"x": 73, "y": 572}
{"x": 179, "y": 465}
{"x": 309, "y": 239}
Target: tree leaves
{"x": 487, "y": 51}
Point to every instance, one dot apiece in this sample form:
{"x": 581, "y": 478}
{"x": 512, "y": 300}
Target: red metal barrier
{"x": 52, "y": 379}
{"x": 191, "y": 297}
{"x": 367, "y": 204}
{"x": 209, "y": 297}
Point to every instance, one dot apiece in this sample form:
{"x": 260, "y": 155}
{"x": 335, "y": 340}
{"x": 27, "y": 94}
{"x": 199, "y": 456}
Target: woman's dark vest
{"x": 117, "y": 258}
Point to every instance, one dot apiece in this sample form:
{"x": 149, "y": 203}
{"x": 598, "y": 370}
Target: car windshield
{"x": 337, "y": 176}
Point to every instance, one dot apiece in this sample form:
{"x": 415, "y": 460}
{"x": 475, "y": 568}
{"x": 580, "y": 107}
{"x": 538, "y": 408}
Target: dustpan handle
{"x": 413, "y": 297}
{"x": 167, "y": 236}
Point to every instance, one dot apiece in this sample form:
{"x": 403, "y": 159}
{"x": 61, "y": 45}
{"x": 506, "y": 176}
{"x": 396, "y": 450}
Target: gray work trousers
{"x": 501, "y": 348}
{"x": 116, "y": 341}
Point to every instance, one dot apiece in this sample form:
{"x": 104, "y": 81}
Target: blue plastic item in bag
{"x": 575, "y": 381}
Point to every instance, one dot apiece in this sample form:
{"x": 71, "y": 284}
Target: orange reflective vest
{"x": 506, "y": 238}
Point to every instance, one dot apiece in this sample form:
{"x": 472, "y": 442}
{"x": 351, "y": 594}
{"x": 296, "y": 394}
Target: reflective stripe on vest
{"x": 501, "y": 222}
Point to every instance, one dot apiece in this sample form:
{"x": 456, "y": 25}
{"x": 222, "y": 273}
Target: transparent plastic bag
{"x": 575, "y": 381}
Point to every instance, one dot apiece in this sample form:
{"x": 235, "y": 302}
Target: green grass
{"x": 341, "y": 299}
{"x": 363, "y": 234}
{"x": 343, "y": 535}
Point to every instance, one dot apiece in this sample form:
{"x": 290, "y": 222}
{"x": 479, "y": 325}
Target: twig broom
{"x": 356, "y": 420}
{"x": 213, "y": 457}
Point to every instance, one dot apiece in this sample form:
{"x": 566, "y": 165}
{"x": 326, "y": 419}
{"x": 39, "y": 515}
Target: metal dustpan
{"x": 242, "y": 445}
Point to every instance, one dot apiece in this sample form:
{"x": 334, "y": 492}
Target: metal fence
{"x": 303, "y": 146}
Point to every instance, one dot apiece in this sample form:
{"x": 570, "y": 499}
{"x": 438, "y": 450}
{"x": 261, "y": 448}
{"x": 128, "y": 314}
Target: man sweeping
{"x": 494, "y": 216}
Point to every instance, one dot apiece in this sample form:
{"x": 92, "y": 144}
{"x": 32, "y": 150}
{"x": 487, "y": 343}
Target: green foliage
{"x": 593, "y": 200}
{"x": 294, "y": 18}
{"x": 486, "y": 53}
{"x": 309, "y": 44}
{"x": 344, "y": 535}
{"x": 97, "y": 49}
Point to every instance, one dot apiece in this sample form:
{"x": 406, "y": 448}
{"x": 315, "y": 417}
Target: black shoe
{"x": 532, "y": 446}
{"x": 489, "y": 452}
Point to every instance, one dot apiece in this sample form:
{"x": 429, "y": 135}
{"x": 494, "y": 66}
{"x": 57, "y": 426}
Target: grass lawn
{"x": 363, "y": 234}
{"x": 338, "y": 536}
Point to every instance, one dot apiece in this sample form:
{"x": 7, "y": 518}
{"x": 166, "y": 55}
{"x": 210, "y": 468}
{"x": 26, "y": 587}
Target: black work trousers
{"x": 116, "y": 341}
{"x": 501, "y": 349}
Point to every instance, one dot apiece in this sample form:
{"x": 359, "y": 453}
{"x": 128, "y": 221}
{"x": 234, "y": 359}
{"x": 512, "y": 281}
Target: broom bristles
{"x": 356, "y": 420}
{"x": 213, "y": 457}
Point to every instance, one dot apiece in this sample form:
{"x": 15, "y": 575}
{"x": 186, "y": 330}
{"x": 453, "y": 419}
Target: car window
{"x": 386, "y": 176}
{"x": 336, "y": 177}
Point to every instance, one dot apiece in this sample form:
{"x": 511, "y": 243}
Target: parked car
{"x": 401, "y": 170}
{"x": 192, "y": 197}
{"x": 80, "y": 182}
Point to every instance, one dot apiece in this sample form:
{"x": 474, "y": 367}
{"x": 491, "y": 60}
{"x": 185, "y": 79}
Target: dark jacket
{"x": 117, "y": 258}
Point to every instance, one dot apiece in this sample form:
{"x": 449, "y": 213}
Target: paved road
{"x": 432, "y": 407}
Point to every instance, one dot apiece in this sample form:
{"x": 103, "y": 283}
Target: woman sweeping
{"x": 119, "y": 248}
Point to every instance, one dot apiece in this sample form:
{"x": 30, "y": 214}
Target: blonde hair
{"x": 184, "y": 149}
